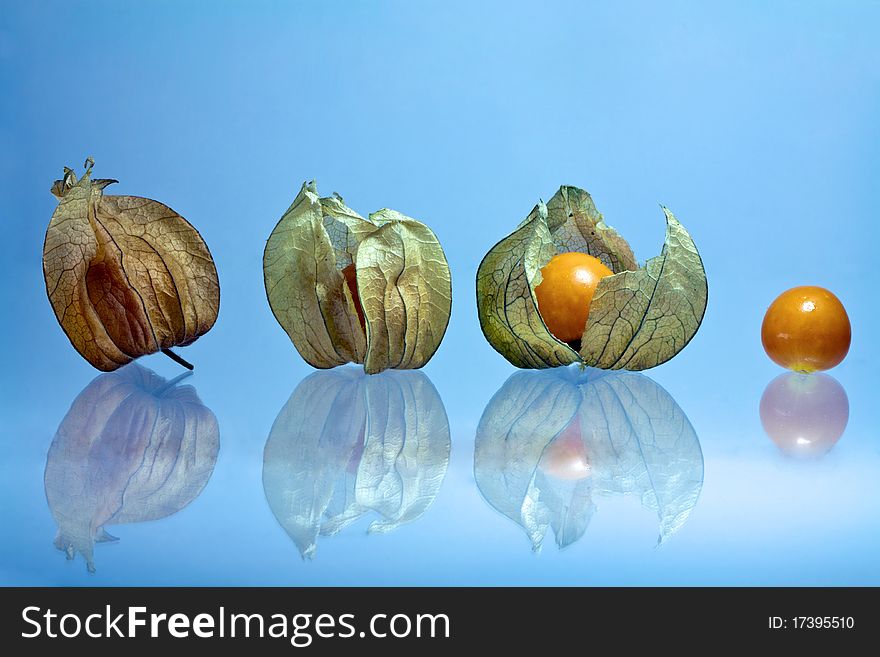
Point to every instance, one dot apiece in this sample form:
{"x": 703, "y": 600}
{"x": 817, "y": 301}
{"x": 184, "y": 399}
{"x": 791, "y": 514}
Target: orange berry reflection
{"x": 804, "y": 414}
{"x": 566, "y": 457}
{"x": 806, "y": 329}
{"x": 567, "y": 286}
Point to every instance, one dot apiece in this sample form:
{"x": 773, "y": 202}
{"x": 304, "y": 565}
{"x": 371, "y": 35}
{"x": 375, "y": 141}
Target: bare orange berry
{"x": 568, "y": 283}
{"x": 806, "y": 329}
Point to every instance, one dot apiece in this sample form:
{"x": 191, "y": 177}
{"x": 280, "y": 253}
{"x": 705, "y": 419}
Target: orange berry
{"x": 806, "y": 329}
{"x": 568, "y": 283}
{"x": 350, "y": 274}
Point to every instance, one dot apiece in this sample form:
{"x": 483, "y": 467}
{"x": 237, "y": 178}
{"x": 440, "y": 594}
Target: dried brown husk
{"x": 126, "y": 276}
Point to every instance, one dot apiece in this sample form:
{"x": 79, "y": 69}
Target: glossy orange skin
{"x": 350, "y": 274}
{"x": 568, "y": 283}
{"x": 806, "y": 329}
{"x": 567, "y": 458}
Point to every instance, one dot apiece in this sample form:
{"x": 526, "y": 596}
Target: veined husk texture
{"x": 403, "y": 282}
{"x": 126, "y": 276}
{"x": 347, "y": 444}
{"x": 630, "y": 438}
{"x": 132, "y": 448}
{"x": 639, "y": 317}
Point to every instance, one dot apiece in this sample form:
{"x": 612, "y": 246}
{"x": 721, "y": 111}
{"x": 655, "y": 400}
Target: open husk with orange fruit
{"x": 634, "y": 317}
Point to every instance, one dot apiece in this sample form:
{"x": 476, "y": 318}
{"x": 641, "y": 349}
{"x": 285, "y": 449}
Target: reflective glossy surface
{"x": 132, "y": 448}
{"x": 372, "y": 481}
{"x": 347, "y": 445}
{"x": 551, "y": 443}
{"x": 804, "y": 414}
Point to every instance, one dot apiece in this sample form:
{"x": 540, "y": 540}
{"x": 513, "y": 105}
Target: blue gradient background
{"x": 756, "y": 123}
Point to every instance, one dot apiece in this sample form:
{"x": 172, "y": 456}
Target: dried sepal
{"x": 639, "y": 317}
{"x": 506, "y": 303}
{"x": 126, "y": 276}
{"x": 576, "y": 225}
{"x": 406, "y": 292}
{"x": 305, "y": 286}
{"x": 403, "y": 285}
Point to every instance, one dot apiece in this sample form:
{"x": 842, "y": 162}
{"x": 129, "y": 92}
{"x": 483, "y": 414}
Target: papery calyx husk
{"x": 639, "y": 317}
{"x": 403, "y": 282}
{"x": 126, "y": 276}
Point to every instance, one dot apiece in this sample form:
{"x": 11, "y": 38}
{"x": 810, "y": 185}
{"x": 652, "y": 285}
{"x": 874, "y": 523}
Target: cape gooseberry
{"x": 806, "y": 329}
{"x": 568, "y": 283}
